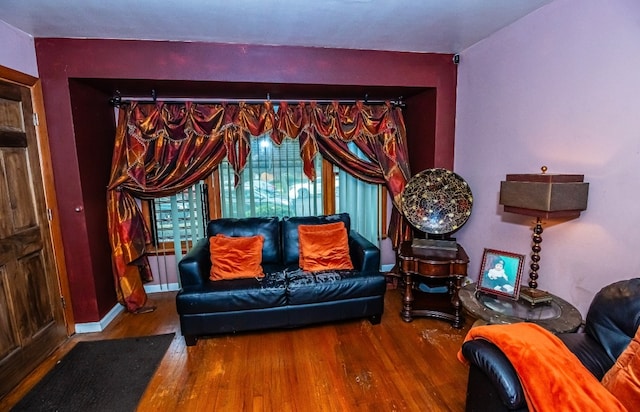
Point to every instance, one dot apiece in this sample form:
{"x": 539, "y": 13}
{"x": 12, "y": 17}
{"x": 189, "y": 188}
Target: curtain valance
{"x": 161, "y": 149}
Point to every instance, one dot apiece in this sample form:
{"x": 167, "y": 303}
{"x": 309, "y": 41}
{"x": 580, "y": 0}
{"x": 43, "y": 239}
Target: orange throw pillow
{"x": 324, "y": 247}
{"x": 235, "y": 257}
{"x": 623, "y": 379}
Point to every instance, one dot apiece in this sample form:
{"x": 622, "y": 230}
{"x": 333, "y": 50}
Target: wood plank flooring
{"x": 346, "y": 366}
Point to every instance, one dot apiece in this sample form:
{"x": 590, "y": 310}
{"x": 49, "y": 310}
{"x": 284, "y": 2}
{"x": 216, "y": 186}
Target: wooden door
{"x": 31, "y": 313}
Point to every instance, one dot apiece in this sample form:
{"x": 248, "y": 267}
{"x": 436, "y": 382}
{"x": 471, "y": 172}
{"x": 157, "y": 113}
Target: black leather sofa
{"x": 286, "y": 297}
{"x": 611, "y": 323}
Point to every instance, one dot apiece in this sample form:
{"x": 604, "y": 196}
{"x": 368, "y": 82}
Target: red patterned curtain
{"x": 378, "y": 131}
{"x": 161, "y": 149}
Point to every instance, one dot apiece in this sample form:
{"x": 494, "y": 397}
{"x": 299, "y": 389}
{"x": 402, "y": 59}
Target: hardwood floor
{"x": 348, "y": 366}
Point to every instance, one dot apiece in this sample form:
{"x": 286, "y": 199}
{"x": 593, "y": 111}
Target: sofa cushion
{"x": 233, "y": 295}
{"x": 290, "y": 239}
{"x": 268, "y": 227}
{"x": 235, "y": 257}
{"x": 312, "y": 287}
{"x": 623, "y": 379}
{"x": 324, "y": 247}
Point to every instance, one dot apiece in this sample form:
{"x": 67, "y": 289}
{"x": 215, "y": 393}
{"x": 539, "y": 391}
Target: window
{"x": 272, "y": 184}
{"x": 179, "y": 220}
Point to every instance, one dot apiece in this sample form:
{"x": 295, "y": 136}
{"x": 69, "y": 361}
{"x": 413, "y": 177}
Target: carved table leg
{"x": 407, "y": 300}
{"x": 455, "y": 286}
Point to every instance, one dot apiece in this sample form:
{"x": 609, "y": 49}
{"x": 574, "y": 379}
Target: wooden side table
{"x": 446, "y": 267}
{"x": 557, "y": 316}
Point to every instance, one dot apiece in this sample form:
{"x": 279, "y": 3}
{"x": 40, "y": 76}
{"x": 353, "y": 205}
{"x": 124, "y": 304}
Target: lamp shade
{"x": 544, "y": 195}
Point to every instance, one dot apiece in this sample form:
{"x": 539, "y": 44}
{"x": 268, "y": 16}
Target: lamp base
{"x": 535, "y": 296}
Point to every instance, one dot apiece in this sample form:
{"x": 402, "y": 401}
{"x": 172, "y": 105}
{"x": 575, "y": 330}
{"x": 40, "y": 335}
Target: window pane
{"x": 272, "y": 183}
{"x": 181, "y": 217}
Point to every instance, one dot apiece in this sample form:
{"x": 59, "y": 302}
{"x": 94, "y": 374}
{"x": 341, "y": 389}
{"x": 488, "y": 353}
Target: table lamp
{"x": 544, "y": 196}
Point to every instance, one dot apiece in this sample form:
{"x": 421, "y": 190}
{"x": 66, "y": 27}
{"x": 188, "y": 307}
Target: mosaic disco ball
{"x": 437, "y": 201}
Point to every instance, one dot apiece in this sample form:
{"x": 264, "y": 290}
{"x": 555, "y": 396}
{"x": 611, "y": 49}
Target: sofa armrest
{"x": 195, "y": 266}
{"x": 365, "y": 256}
{"x": 498, "y": 381}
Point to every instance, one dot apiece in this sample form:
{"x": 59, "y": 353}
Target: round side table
{"x": 557, "y": 316}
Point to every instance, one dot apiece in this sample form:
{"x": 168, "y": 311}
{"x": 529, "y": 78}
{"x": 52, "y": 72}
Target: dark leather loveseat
{"x": 611, "y": 323}
{"x": 286, "y": 296}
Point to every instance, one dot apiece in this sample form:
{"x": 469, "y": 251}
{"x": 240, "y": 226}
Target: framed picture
{"x": 500, "y": 273}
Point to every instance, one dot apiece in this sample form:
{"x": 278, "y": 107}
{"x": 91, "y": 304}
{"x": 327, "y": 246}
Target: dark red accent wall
{"x": 78, "y": 75}
{"x": 94, "y": 129}
{"x": 422, "y": 138}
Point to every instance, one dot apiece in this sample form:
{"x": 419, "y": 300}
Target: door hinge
{"x": 36, "y": 122}
{"x": 49, "y": 214}
{"x": 64, "y": 302}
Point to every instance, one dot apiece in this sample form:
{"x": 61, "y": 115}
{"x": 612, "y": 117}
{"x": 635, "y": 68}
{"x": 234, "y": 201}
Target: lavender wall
{"x": 17, "y": 51}
{"x": 558, "y": 88}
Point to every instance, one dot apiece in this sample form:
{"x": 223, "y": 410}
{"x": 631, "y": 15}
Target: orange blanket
{"x": 553, "y": 379}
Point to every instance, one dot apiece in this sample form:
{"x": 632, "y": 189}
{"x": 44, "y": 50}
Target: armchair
{"x": 611, "y": 323}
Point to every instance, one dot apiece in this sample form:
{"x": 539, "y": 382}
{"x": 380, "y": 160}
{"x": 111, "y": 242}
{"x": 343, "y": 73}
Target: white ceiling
{"x": 439, "y": 26}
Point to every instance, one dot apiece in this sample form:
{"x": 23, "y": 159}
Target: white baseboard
{"x": 90, "y": 327}
{"x": 104, "y": 322}
{"x": 386, "y": 268}
{"x": 161, "y": 288}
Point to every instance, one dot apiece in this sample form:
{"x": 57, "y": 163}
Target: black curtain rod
{"x": 118, "y": 100}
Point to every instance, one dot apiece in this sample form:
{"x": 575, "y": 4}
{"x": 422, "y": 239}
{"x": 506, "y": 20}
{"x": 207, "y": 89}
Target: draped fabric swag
{"x": 162, "y": 149}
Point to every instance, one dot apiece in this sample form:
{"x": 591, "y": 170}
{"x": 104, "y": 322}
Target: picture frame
{"x": 500, "y": 273}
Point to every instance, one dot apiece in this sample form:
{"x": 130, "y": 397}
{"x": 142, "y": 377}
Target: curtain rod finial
{"x": 116, "y": 100}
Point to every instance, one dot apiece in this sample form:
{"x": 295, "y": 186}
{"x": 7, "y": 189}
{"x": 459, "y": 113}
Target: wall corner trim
{"x": 90, "y": 327}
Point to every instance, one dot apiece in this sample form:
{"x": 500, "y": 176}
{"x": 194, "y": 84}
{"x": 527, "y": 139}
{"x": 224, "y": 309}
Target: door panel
{"x": 31, "y": 319}
{"x": 20, "y": 198}
{"x": 8, "y": 341}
